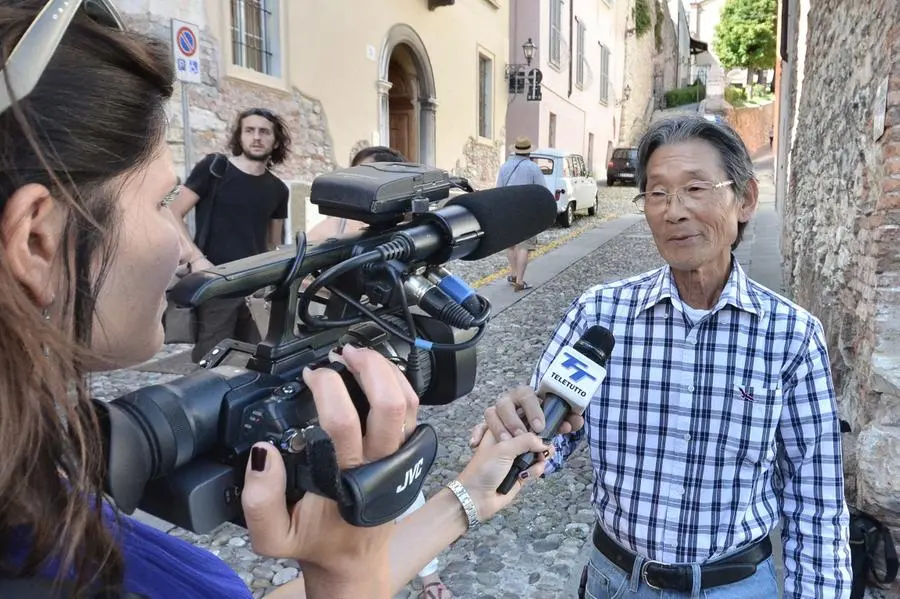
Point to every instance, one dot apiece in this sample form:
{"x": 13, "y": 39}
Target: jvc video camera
{"x": 179, "y": 450}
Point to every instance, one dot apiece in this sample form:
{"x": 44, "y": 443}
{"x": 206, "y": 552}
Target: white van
{"x": 571, "y": 182}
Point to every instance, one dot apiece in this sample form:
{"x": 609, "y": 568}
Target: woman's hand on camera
{"x": 333, "y": 554}
{"x": 517, "y": 412}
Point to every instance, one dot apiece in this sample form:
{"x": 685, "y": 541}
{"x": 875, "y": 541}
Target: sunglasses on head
{"x": 29, "y": 59}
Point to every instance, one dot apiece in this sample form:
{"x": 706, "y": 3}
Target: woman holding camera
{"x": 87, "y": 248}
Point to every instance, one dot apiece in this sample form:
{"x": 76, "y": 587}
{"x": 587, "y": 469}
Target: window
{"x": 604, "y": 74}
{"x": 254, "y": 35}
{"x": 626, "y": 154}
{"x": 577, "y": 166}
{"x": 555, "y": 32}
{"x": 579, "y": 54}
{"x": 546, "y": 164}
{"x": 485, "y": 96}
{"x": 551, "y": 141}
{"x": 590, "y": 158}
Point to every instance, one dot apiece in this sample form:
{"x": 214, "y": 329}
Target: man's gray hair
{"x": 735, "y": 158}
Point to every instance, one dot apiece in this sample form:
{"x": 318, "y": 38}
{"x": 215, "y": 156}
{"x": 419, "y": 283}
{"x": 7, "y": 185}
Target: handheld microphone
{"x": 568, "y": 385}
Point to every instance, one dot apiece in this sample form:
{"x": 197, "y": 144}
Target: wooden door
{"x": 399, "y": 131}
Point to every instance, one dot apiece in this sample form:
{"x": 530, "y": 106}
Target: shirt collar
{"x": 737, "y": 291}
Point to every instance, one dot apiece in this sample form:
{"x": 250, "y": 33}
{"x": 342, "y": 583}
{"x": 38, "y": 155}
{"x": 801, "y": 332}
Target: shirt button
{"x": 679, "y": 491}
{"x": 691, "y": 388}
{"x": 687, "y": 437}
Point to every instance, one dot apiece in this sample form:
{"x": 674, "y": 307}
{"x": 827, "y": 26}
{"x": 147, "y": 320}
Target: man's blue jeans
{"x": 606, "y": 581}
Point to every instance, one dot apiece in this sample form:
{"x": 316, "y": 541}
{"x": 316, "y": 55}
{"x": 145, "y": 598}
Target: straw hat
{"x": 522, "y": 146}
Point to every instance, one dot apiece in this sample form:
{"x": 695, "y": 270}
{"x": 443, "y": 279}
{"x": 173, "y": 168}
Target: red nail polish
{"x": 258, "y": 459}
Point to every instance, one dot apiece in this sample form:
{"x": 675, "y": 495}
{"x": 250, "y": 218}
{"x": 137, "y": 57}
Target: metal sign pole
{"x": 186, "y": 56}
{"x": 186, "y": 119}
{"x": 188, "y": 150}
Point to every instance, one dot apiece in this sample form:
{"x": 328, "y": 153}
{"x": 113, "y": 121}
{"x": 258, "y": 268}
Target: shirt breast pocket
{"x": 750, "y": 419}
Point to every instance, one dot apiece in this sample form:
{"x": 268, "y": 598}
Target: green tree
{"x": 745, "y": 35}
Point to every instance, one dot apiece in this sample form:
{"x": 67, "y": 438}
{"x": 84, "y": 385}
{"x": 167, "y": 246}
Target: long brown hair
{"x": 97, "y": 114}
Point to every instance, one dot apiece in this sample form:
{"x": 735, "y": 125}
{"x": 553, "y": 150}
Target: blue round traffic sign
{"x": 187, "y": 42}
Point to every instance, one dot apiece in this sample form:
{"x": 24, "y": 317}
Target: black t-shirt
{"x": 242, "y": 211}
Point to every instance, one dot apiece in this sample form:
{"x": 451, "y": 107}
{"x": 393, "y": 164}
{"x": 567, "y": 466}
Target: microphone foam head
{"x": 508, "y": 215}
{"x": 597, "y": 343}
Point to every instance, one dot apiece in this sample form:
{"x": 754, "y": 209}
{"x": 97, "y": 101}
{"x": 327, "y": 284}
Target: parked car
{"x": 570, "y": 180}
{"x": 621, "y": 165}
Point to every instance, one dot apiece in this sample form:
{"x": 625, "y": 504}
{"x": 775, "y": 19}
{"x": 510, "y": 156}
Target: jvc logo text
{"x": 577, "y": 367}
{"x": 411, "y": 475}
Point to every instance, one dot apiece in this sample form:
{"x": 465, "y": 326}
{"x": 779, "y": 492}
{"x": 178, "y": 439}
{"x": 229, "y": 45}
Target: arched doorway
{"x": 403, "y": 122}
{"x": 406, "y": 99}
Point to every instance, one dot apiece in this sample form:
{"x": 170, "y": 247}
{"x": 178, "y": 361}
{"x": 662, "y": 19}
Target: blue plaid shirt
{"x": 706, "y": 434}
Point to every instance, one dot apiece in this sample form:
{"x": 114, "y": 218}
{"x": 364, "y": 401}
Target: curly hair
{"x": 282, "y": 135}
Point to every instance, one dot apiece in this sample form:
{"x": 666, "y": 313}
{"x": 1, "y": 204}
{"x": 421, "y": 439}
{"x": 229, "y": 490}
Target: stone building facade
{"x": 838, "y": 191}
{"x": 417, "y": 75}
{"x": 580, "y": 53}
{"x": 659, "y": 48}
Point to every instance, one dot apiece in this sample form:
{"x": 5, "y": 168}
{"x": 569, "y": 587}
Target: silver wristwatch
{"x": 467, "y": 503}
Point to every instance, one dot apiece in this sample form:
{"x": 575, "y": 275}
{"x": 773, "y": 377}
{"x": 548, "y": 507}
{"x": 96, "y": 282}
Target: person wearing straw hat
{"x": 520, "y": 170}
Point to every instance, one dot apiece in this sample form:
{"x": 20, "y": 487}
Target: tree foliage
{"x": 642, "y": 18}
{"x": 745, "y": 35}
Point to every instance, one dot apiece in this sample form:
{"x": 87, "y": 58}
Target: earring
{"x": 46, "y": 315}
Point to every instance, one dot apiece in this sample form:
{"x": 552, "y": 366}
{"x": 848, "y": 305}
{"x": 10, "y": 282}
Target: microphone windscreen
{"x": 600, "y": 337}
{"x": 508, "y": 215}
{"x": 596, "y": 343}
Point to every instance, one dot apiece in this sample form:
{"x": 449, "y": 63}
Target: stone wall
{"x": 841, "y": 232}
{"x": 753, "y": 124}
{"x": 215, "y": 103}
{"x": 480, "y": 161}
{"x": 665, "y": 59}
{"x": 639, "y": 53}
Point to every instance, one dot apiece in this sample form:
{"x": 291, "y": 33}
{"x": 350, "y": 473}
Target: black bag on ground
{"x": 868, "y": 538}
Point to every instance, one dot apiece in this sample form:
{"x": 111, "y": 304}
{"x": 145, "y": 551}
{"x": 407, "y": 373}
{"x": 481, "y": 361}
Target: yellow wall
{"x": 328, "y": 46}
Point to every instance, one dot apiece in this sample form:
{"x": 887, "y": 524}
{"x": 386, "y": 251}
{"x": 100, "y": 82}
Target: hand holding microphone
{"x": 568, "y": 386}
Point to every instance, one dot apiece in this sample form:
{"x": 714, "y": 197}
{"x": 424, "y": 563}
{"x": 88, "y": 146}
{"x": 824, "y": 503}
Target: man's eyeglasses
{"x": 692, "y": 195}
{"x": 29, "y": 59}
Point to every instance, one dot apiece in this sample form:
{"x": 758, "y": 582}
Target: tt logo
{"x": 411, "y": 475}
{"x": 578, "y": 368}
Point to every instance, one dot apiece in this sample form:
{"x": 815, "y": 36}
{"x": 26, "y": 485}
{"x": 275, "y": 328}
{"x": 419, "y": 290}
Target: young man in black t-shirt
{"x": 241, "y": 207}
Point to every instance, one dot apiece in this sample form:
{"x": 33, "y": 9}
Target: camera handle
{"x": 368, "y": 495}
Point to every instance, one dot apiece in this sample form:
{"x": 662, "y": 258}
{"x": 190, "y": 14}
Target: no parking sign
{"x": 186, "y": 51}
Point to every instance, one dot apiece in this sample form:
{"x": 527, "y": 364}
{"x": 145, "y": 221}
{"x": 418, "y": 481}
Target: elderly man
{"x": 717, "y": 418}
